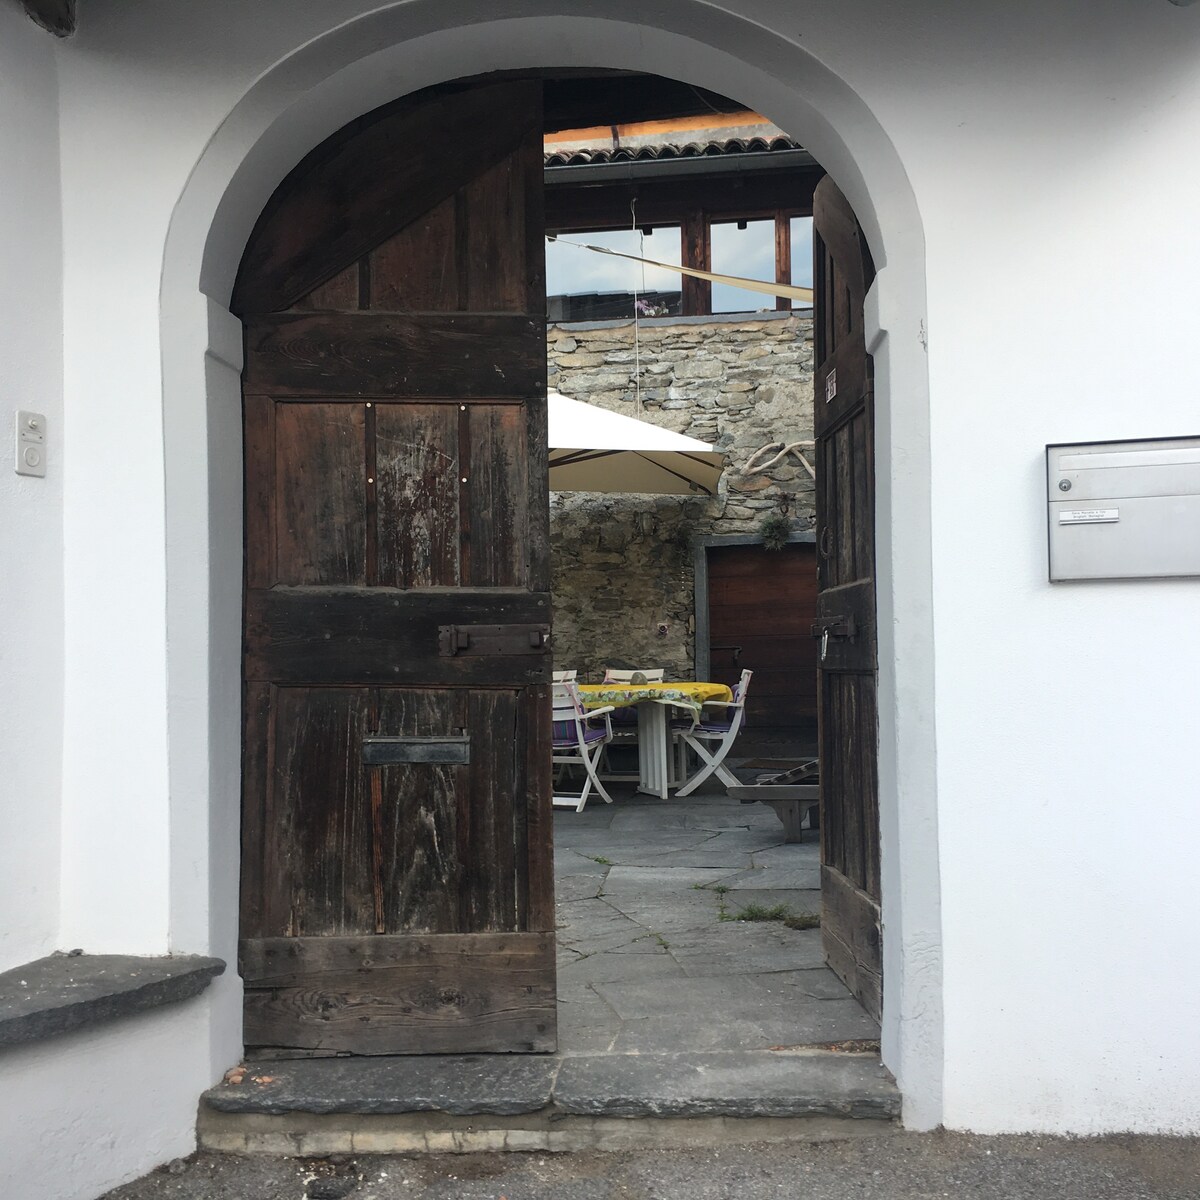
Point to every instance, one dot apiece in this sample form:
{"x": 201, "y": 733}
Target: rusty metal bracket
{"x": 456, "y": 640}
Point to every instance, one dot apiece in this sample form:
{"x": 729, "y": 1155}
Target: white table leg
{"x": 652, "y": 749}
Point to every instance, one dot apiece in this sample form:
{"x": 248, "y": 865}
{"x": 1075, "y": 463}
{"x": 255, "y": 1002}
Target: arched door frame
{"x": 401, "y": 49}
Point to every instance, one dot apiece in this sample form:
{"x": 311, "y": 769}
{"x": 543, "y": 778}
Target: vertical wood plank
{"x": 536, "y": 566}
{"x": 783, "y": 258}
{"x": 339, "y": 294}
{"x": 498, "y": 490}
{"x": 370, "y": 496}
{"x": 421, "y": 872}
{"x": 496, "y": 239}
{"x": 843, "y": 513}
{"x": 535, "y": 736}
{"x": 696, "y": 294}
{"x": 320, "y": 507}
{"x": 416, "y": 488}
{"x": 488, "y": 886}
{"x": 532, "y": 166}
{"x": 259, "y": 491}
{"x": 318, "y": 822}
{"x": 257, "y": 747}
{"x": 417, "y": 270}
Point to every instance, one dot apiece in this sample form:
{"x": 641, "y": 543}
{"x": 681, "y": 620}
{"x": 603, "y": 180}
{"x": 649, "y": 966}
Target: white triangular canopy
{"x": 595, "y": 450}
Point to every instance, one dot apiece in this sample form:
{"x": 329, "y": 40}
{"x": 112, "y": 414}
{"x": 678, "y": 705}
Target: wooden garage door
{"x": 761, "y": 605}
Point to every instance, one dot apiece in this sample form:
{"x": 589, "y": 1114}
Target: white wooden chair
{"x": 651, "y": 675}
{"x": 563, "y": 676}
{"x": 577, "y": 742}
{"x": 712, "y": 734}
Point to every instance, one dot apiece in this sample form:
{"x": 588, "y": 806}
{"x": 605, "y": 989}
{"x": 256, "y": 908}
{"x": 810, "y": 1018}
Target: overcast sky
{"x": 749, "y": 252}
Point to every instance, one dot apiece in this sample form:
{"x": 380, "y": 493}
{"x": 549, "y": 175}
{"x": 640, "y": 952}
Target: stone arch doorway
{"x": 345, "y": 73}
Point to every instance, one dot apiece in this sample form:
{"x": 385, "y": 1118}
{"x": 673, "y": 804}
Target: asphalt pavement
{"x": 898, "y": 1167}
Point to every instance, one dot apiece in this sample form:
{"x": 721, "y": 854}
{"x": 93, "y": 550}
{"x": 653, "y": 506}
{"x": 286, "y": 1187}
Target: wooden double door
{"x": 397, "y": 885}
{"x": 397, "y": 888}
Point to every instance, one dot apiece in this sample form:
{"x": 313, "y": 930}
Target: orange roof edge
{"x": 644, "y": 128}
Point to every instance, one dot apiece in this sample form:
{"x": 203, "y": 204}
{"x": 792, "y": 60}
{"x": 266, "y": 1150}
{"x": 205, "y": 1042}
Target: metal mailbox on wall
{"x": 1124, "y": 510}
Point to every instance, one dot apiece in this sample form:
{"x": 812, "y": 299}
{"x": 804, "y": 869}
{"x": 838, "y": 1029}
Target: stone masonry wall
{"x": 623, "y": 563}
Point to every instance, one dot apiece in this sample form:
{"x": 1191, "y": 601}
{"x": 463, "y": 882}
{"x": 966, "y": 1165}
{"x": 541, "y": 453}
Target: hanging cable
{"x": 637, "y": 340}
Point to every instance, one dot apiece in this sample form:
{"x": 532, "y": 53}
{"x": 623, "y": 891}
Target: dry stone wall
{"x": 623, "y": 571}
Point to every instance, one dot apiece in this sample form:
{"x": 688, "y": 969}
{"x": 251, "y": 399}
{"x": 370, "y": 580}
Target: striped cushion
{"x": 564, "y": 735}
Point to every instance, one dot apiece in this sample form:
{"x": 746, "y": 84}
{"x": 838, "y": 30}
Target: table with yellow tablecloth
{"x": 653, "y": 701}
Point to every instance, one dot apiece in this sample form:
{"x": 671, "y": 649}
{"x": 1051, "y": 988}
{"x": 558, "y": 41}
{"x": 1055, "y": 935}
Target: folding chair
{"x": 712, "y": 734}
{"x": 563, "y": 676}
{"x": 577, "y": 742}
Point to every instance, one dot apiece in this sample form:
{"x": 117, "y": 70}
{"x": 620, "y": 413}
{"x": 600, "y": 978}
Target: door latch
{"x": 491, "y": 639}
{"x": 843, "y": 628}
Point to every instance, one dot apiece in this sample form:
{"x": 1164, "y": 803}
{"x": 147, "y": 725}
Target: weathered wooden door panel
{"x": 761, "y": 605}
{"x": 447, "y": 994}
{"x": 397, "y": 894}
{"x": 845, "y": 625}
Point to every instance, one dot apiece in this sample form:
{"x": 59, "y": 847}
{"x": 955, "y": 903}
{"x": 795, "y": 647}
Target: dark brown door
{"x": 397, "y": 890}
{"x": 845, "y": 625}
{"x": 761, "y": 605}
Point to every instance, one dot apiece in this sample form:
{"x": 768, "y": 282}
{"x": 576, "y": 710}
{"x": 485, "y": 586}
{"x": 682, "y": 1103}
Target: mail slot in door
{"x": 1124, "y": 510}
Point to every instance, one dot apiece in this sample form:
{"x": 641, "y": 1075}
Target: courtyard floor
{"x": 672, "y": 934}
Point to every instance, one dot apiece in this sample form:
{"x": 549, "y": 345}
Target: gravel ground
{"x": 903, "y": 1167}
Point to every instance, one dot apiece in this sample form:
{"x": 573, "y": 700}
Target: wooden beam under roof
{"x": 57, "y": 16}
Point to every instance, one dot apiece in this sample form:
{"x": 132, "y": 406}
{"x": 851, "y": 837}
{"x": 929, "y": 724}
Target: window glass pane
{"x": 748, "y": 252}
{"x": 582, "y": 285}
{"x": 802, "y": 255}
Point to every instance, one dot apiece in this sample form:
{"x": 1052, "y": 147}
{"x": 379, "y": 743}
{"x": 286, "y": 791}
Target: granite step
{"x": 550, "y": 1102}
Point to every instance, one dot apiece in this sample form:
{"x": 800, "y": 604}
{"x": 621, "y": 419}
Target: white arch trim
{"x": 310, "y": 94}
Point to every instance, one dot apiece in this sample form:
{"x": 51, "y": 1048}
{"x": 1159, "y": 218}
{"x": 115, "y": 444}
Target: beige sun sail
{"x": 789, "y": 290}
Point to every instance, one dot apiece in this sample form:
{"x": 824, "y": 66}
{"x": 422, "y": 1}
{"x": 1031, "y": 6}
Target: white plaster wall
{"x": 1049, "y": 153}
{"x": 31, "y": 513}
{"x": 90, "y": 1110}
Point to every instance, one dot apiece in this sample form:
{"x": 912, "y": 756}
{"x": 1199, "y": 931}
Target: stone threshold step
{"x": 312, "y": 1135}
{"x": 732, "y": 1084}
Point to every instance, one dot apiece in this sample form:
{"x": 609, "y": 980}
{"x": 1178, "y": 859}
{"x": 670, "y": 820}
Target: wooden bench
{"x": 791, "y": 794}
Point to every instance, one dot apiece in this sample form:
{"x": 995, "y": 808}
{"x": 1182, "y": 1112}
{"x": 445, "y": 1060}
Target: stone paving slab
{"x": 569, "y": 888}
{"x": 784, "y": 878}
{"x": 758, "y": 949}
{"x": 569, "y": 863}
{"x": 61, "y": 992}
{"x": 655, "y": 966}
{"x": 623, "y": 878}
{"x": 674, "y": 1083}
{"x": 799, "y": 900}
{"x": 731, "y": 998}
{"x": 793, "y": 856}
{"x": 451, "y": 1083}
{"x": 725, "y": 1084}
{"x": 707, "y": 856}
{"x": 748, "y": 1027}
